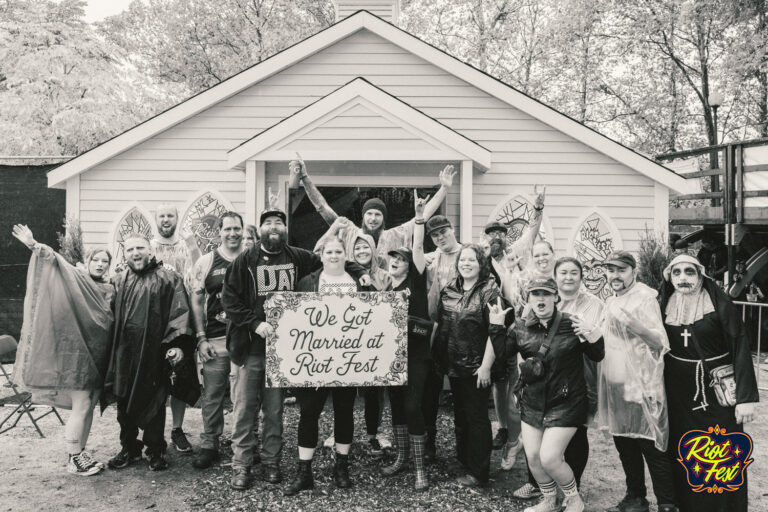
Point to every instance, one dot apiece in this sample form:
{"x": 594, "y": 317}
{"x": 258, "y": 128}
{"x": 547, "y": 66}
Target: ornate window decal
{"x": 515, "y": 212}
{"x": 200, "y": 217}
{"x": 594, "y": 239}
{"x": 136, "y": 219}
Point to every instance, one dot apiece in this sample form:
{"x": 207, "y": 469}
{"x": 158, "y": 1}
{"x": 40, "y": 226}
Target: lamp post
{"x": 715, "y": 99}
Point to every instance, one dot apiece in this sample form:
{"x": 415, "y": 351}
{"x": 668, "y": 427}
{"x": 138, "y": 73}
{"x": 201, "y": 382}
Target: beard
{"x": 270, "y": 243}
{"x": 374, "y": 233}
{"x": 166, "y": 232}
{"x": 497, "y": 248}
{"x": 138, "y": 266}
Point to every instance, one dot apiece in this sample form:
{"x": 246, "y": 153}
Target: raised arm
{"x": 446, "y": 181}
{"x": 24, "y": 235}
{"x": 523, "y": 245}
{"x": 314, "y": 195}
{"x": 336, "y": 226}
{"x": 418, "y": 232}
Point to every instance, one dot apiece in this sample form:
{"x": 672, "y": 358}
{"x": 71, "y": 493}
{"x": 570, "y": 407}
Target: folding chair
{"x": 23, "y": 400}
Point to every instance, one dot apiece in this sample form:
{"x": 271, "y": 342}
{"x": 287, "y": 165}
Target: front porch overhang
{"x": 360, "y": 122}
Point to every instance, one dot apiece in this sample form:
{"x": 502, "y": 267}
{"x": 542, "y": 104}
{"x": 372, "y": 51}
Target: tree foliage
{"x": 63, "y": 89}
{"x": 199, "y": 43}
{"x": 640, "y": 71}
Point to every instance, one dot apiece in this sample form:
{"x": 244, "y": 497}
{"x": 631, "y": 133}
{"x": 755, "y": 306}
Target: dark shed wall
{"x": 24, "y": 199}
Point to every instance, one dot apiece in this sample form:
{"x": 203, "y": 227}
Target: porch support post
{"x": 250, "y": 192}
{"x": 73, "y": 196}
{"x": 465, "y": 213}
{"x": 260, "y": 170}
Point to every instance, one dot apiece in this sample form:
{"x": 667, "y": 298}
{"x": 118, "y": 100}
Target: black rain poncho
{"x": 151, "y": 316}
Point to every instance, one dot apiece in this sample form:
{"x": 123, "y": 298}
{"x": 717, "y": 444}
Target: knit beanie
{"x": 375, "y": 204}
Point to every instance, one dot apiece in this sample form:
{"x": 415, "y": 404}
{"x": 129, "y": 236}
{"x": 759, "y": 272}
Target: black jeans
{"x": 372, "y": 409}
{"x": 154, "y": 432}
{"x": 576, "y": 455}
{"x": 631, "y": 452}
{"x": 311, "y": 404}
{"x": 430, "y": 403}
{"x": 474, "y": 441}
{"x": 407, "y": 400}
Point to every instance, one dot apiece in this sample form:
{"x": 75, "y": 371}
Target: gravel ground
{"x": 33, "y": 475}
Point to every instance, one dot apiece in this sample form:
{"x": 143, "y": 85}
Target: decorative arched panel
{"x": 515, "y": 212}
{"x": 594, "y": 238}
{"x": 200, "y": 217}
{"x": 134, "y": 219}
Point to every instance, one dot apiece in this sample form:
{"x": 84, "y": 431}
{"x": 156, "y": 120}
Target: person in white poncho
{"x": 632, "y": 404}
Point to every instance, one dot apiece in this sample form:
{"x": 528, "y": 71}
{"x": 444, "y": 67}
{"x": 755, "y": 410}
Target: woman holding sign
{"x": 331, "y": 278}
{"x": 464, "y": 351}
{"x": 408, "y": 273}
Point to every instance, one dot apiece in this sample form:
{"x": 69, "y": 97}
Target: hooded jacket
{"x": 560, "y": 398}
{"x": 381, "y": 280}
{"x": 464, "y": 327}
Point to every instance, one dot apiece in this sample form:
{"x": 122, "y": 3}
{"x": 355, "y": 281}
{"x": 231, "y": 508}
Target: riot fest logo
{"x": 715, "y": 460}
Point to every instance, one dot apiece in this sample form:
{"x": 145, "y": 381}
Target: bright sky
{"x": 97, "y": 10}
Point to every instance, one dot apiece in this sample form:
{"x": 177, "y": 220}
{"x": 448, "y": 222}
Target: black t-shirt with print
{"x": 216, "y": 324}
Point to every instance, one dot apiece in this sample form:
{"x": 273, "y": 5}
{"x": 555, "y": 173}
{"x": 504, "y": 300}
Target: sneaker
{"x": 573, "y": 504}
{"x": 527, "y": 492}
{"x": 509, "y": 455}
{"x": 384, "y": 441}
{"x": 157, "y": 462}
{"x": 546, "y": 504}
{"x": 501, "y": 438}
{"x": 330, "y": 442}
{"x": 81, "y": 466}
{"x": 87, "y": 456}
{"x": 123, "y": 459}
{"x": 179, "y": 440}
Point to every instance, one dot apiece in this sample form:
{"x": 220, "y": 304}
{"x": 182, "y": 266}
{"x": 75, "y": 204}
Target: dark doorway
{"x": 307, "y": 226}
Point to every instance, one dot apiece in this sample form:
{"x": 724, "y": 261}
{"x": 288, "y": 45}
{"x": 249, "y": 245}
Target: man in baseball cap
{"x": 495, "y": 229}
{"x": 620, "y": 259}
{"x": 632, "y": 402}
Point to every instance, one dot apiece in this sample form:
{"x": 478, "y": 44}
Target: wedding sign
{"x": 357, "y": 339}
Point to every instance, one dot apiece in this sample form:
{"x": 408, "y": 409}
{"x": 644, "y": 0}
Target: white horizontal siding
{"x": 192, "y": 155}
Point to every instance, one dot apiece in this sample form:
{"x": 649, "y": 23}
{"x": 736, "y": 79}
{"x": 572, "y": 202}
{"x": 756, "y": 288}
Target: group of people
{"x": 511, "y": 320}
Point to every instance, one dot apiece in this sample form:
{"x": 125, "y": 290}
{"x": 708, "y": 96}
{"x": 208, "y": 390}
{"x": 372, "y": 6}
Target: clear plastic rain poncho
{"x": 631, "y": 397}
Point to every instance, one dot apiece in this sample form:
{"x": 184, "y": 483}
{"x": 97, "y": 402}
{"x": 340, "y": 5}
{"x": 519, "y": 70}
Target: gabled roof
{"x": 331, "y": 35}
{"x": 430, "y": 139}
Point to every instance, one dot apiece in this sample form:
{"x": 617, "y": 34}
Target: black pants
{"x": 632, "y": 452}
{"x": 474, "y": 441}
{"x": 576, "y": 455}
{"x": 311, "y": 403}
{"x": 372, "y": 409}
{"x": 407, "y": 400}
{"x": 433, "y": 385}
{"x": 154, "y": 432}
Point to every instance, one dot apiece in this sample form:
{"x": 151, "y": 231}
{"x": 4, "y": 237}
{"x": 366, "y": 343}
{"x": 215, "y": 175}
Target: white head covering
{"x": 687, "y": 308}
